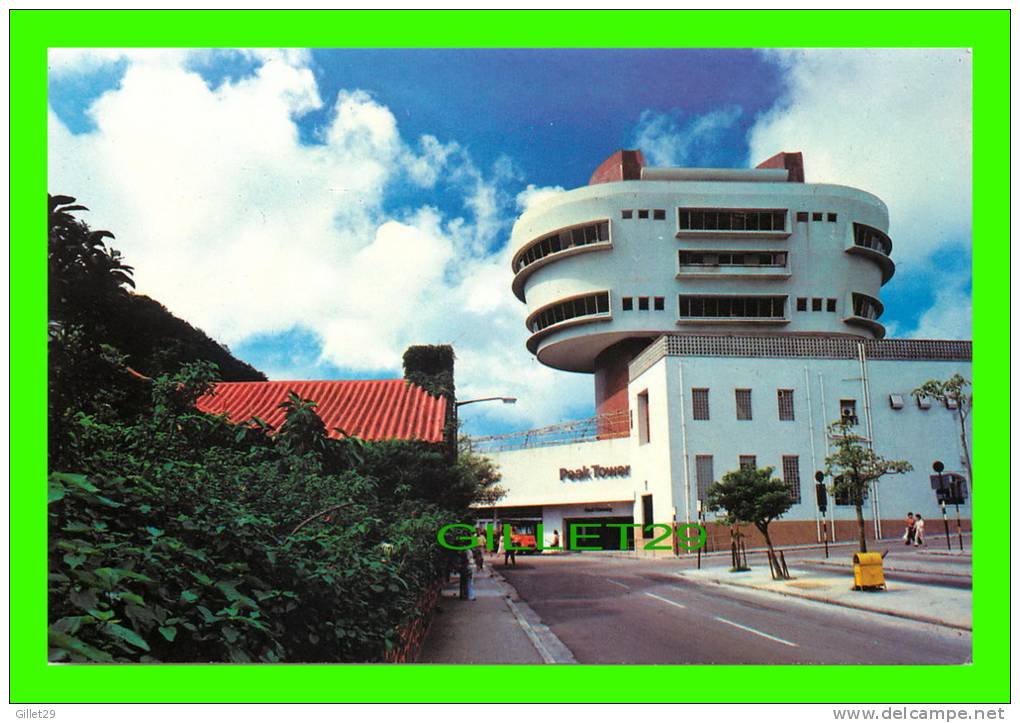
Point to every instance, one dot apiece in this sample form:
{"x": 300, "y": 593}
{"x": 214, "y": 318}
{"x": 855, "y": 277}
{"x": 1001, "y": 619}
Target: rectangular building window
{"x": 848, "y": 410}
{"x": 660, "y": 303}
{"x": 642, "y": 303}
{"x": 699, "y": 404}
{"x": 816, "y": 216}
{"x": 643, "y": 420}
{"x": 628, "y": 303}
{"x": 704, "y": 474}
{"x": 627, "y": 213}
{"x": 733, "y": 307}
{"x": 785, "y": 397}
{"x": 801, "y": 303}
{"x": 647, "y": 517}
{"x": 791, "y": 476}
{"x": 659, "y": 214}
{"x": 802, "y": 216}
{"x": 723, "y": 219}
{"x": 816, "y": 304}
{"x": 832, "y": 218}
{"x": 642, "y": 213}
{"x": 743, "y": 404}
{"x": 748, "y": 461}
{"x": 830, "y": 304}
{"x": 843, "y": 497}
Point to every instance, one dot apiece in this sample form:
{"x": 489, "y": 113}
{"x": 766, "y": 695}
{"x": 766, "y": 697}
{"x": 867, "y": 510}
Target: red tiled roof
{"x": 369, "y": 409}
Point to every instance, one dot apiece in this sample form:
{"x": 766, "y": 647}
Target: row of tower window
{"x": 658, "y": 302}
{"x": 696, "y": 307}
{"x": 701, "y": 219}
{"x": 704, "y": 472}
{"x": 700, "y": 409}
{"x": 713, "y": 219}
{"x": 742, "y": 307}
{"x": 804, "y": 216}
{"x": 816, "y": 304}
{"x": 656, "y": 214}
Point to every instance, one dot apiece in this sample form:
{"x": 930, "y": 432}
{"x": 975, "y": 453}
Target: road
{"x": 613, "y": 610}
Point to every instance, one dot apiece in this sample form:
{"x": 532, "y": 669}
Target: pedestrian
{"x": 509, "y": 554}
{"x": 556, "y": 539}
{"x": 908, "y": 533}
{"x": 479, "y": 548}
{"x": 918, "y": 531}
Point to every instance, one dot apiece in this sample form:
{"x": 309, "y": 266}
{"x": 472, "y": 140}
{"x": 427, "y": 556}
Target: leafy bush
{"x": 184, "y": 538}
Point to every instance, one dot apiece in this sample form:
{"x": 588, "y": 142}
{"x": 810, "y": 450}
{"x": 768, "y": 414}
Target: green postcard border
{"x": 32, "y": 32}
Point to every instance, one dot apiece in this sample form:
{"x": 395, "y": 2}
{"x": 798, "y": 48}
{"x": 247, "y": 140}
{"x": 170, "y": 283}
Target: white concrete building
{"x": 728, "y": 317}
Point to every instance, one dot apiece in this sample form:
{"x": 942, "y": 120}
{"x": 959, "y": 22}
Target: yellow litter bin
{"x": 868, "y": 571}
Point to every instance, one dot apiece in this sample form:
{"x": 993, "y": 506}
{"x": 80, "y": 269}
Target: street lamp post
{"x": 505, "y": 400}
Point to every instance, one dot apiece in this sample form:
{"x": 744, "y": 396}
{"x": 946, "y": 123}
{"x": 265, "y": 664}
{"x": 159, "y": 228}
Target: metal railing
{"x": 591, "y": 429}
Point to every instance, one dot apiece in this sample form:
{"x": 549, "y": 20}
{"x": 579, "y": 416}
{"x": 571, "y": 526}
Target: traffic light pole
{"x": 825, "y": 534}
{"x": 959, "y": 531}
{"x": 945, "y": 521}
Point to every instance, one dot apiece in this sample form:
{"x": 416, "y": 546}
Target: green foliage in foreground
{"x": 176, "y": 536}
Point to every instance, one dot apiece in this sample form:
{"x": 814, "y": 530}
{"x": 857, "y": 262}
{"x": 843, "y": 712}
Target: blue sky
{"x": 320, "y": 210}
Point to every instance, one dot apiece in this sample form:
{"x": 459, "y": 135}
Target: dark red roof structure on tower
{"x": 370, "y": 409}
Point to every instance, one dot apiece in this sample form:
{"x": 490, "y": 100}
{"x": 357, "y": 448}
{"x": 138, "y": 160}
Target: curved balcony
{"x": 732, "y": 264}
{"x": 560, "y": 244}
{"x": 875, "y": 245}
{"x": 865, "y": 311}
{"x": 562, "y": 314}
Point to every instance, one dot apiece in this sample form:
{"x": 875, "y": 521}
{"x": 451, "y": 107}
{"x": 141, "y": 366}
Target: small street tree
{"x": 751, "y": 495}
{"x": 854, "y": 466}
{"x": 952, "y": 393}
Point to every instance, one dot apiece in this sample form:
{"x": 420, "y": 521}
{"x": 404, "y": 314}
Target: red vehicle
{"x": 522, "y": 535}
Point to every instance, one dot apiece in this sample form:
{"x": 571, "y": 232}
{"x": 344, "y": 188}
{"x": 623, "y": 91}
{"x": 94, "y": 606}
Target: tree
{"x": 854, "y": 466}
{"x": 952, "y": 393}
{"x": 84, "y": 275}
{"x": 751, "y": 495}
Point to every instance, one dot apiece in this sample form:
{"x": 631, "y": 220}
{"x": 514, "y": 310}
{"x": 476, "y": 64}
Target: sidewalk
{"x": 924, "y": 603}
{"x": 494, "y": 628}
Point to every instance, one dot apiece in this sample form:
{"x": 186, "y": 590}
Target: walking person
{"x": 479, "y": 548}
{"x": 509, "y": 554}
{"x": 908, "y": 534}
{"x": 918, "y": 531}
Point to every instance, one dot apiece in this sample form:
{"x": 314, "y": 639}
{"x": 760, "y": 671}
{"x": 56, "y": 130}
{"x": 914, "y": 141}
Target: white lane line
{"x": 625, "y": 587}
{"x": 665, "y": 600}
{"x": 757, "y": 632}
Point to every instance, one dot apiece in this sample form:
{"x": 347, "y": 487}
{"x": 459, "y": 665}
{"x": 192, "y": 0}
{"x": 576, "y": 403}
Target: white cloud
{"x": 242, "y": 229}
{"x": 895, "y": 122}
{"x": 670, "y": 139}
{"x": 949, "y": 316}
{"x": 534, "y": 195}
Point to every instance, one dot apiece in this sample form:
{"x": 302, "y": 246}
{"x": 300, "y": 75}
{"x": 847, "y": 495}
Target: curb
{"x": 546, "y": 642}
{"x": 891, "y": 569}
{"x": 852, "y": 606}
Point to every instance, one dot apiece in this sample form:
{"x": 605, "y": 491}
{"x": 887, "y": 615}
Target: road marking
{"x": 625, "y": 587}
{"x": 665, "y": 600}
{"x": 757, "y": 632}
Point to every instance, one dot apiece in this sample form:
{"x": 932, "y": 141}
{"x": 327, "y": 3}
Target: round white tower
{"x": 640, "y": 252}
